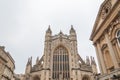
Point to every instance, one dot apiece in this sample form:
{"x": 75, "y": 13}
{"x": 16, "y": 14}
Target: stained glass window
{"x": 60, "y": 64}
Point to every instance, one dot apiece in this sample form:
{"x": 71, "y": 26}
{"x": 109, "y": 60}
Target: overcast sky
{"x": 23, "y": 24}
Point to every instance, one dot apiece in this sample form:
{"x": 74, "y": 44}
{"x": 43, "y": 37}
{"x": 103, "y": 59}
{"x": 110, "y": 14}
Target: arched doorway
{"x": 60, "y": 64}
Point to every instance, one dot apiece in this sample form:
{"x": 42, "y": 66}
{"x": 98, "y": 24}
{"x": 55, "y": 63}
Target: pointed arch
{"x": 60, "y": 63}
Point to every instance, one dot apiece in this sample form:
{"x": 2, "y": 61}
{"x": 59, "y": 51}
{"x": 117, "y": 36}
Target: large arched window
{"x": 118, "y": 36}
{"x": 60, "y": 64}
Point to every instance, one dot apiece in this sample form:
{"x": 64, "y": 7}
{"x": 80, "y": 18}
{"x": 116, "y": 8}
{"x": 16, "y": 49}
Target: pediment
{"x": 104, "y": 10}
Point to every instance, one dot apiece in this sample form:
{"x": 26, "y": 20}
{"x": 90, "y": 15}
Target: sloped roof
{"x": 95, "y": 27}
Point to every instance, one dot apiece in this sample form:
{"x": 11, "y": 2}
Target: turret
{"x": 48, "y": 34}
{"x": 47, "y": 47}
{"x": 93, "y": 65}
{"x": 37, "y": 60}
{"x": 28, "y": 66}
{"x": 87, "y": 61}
{"x": 73, "y": 43}
{"x": 72, "y": 33}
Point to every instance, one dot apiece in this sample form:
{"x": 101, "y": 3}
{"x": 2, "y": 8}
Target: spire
{"x": 49, "y": 30}
{"x": 48, "y": 34}
{"x": 93, "y": 65}
{"x": 72, "y": 30}
{"x": 37, "y": 60}
{"x": 87, "y": 60}
{"x": 29, "y": 61}
{"x": 29, "y": 65}
{"x": 93, "y": 61}
{"x": 73, "y": 34}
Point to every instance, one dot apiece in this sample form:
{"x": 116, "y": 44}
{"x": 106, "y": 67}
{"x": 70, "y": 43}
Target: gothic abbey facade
{"x": 60, "y": 60}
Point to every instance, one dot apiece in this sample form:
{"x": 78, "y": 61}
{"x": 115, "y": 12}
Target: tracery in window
{"x": 60, "y": 64}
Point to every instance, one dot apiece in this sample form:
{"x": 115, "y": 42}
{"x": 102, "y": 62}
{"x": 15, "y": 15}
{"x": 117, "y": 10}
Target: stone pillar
{"x": 100, "y": 59}
{"x": 112, "y": 53}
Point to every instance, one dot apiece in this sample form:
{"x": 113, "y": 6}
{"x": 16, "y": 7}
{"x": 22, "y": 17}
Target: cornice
{"x": 106, "y": 23}
{"x": 97, "y": 19}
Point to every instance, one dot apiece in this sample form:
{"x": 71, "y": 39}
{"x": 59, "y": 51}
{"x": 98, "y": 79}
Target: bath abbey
{"x": 61, "y": 60}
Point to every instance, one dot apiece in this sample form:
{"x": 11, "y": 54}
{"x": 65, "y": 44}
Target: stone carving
{"x": 106, "y": 9}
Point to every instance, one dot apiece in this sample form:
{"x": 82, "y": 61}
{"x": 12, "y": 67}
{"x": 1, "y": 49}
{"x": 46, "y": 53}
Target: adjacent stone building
{"x": 7, "y": 65}
{"x": 106, "y": 39}
{"x": 61, "y": 60}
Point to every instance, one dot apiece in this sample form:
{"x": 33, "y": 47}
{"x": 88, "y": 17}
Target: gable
{"x": 104, "y": 11}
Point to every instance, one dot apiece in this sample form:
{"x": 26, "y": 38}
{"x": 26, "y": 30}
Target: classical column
{"x": 101, "y": 59}
{"x": 112, "y": 53}
{"x": 98, "y": 58}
